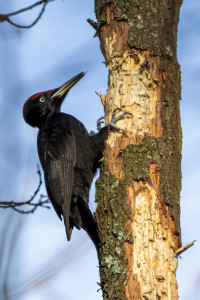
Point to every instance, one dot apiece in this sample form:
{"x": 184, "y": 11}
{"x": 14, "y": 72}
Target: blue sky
{"x": 57, "y": 48}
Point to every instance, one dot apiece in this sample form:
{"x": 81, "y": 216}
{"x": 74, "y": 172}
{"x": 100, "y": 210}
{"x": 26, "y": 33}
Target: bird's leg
{"x": 115, "y": 118}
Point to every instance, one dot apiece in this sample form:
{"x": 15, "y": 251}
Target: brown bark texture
{"x": 138, "y": 191}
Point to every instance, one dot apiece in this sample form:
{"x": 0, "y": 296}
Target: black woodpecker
{"x": 69, "y": 156}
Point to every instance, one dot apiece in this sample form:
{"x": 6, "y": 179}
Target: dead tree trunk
{"x": 138, "y": 192}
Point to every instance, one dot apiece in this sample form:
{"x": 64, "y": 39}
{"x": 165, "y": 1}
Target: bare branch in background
{"x": 43, "y": 276}
{"x": 43, "y": 200}
{"x": 9, "y": 256}
{"x": 6, "y": 17}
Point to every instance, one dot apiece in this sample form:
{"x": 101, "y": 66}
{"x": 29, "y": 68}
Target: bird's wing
{"x": 58, "y": 158}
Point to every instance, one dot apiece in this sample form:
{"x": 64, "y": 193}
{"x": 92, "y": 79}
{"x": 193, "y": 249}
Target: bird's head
{"x": 42, "y": 105}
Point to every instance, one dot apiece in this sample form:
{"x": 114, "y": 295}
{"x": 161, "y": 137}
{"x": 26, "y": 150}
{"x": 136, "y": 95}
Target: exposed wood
{"x": 151, "y": 256}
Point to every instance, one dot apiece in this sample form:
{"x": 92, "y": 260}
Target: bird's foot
{"x": 99, "y": 122}
{"x": 115, "y": 118}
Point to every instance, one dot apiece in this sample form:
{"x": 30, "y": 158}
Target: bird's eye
{"x": 42, "y": 99}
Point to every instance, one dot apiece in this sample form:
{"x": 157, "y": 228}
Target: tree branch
{"x": 184, "y": 248}
{"x": 5, "y": 17}
{"x": 43, "y": 200}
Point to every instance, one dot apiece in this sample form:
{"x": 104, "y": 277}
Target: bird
{"x": 69, "y": 156}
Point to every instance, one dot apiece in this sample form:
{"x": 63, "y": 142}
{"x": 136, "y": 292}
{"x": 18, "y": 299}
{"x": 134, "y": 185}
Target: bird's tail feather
{"x": 89, "y": 224}
{"x": 66, "y": 212}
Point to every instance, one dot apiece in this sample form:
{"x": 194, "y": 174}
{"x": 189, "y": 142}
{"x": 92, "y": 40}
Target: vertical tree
{"x": 138, "y": 192}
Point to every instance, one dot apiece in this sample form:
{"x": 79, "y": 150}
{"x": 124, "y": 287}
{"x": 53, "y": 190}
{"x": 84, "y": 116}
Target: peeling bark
{"x": 138, "y": 191}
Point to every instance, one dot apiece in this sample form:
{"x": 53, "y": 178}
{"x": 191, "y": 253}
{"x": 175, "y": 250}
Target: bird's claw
{"x": 115, "y": 111}
{"x": 99, "y": 122}
{"x": 115, "y": 118}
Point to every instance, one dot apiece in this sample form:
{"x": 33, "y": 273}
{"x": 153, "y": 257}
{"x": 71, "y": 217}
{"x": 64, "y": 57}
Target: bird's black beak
{"x": 62, "y": 91}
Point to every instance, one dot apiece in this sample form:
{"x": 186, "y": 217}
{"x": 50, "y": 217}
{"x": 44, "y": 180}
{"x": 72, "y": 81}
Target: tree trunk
{"x": 138, "y": 192}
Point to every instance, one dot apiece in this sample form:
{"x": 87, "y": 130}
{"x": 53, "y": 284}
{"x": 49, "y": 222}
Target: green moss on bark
{"x": 112, "y": 213}
{"x": 153, "y": 24}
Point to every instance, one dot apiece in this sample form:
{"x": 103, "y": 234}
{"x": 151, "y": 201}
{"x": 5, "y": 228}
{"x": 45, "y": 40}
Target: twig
{"x": 32, "y": 24}
{"x": 92, "y": 23}
{"x": 102, "y": 97}
{"x": 25, "y": 9}
{"x": 5, "y": 17}
{"x": 97, "y": 94}
{"x": 43, "y": 200}
{"x": 184, "y": 248}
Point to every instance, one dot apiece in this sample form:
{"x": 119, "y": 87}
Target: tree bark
{"x": 138, "y": 191}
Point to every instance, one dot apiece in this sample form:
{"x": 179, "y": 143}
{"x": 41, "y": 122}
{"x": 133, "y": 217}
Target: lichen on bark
{"x": 152, "y": 24}
{"x": 112, "y": 213}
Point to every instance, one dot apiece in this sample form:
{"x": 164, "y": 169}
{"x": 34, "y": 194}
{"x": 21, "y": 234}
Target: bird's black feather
{"x": 67, "y": 154}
